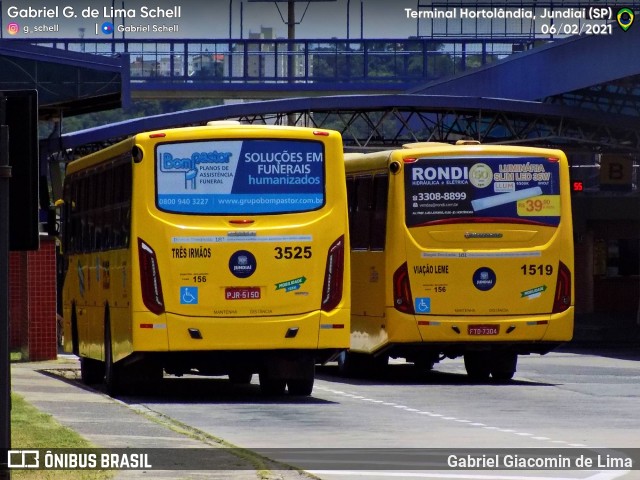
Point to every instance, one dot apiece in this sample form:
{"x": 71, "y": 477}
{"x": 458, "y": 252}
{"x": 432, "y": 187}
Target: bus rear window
{"x": 497, "y": 189}
{"x": 248, "y": 176}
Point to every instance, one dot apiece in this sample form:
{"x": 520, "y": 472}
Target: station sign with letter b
{"x": 616, "y": 172}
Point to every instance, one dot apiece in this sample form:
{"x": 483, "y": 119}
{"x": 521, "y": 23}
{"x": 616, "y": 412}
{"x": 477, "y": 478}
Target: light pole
{"x": 230, "y": 17}
{"x": 348, "y": 15}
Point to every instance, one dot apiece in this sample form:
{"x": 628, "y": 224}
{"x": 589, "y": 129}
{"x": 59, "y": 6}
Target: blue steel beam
{"x": 475, "y": 107}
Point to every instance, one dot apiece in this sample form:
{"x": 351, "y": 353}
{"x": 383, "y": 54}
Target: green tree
{"x": 138, "y": 109}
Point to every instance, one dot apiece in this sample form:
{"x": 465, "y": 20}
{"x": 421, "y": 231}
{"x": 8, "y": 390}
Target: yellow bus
{"x": 459, "y": 250}
{"x": 213, "y": 250}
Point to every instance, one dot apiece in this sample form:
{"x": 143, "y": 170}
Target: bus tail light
{"x": 562, "y": 297}
{"x": 402, "y": 299}
{"x": 333, "y": 276}
{"x": 150, "y": 278}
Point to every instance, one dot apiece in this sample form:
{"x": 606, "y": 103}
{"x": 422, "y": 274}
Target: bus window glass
{"x": 503, "y": 189}
{"x": 379, "y": 217}
{"x": 361, "y": 214}
{"x": 240, "y": 176}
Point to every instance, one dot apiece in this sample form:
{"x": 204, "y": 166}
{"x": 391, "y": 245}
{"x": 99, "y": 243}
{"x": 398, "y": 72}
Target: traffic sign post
{"x": 19, "y": 111}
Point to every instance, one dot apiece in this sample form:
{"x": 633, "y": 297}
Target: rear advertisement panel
{"x": 240, "y": 176}
{"x": 522, "y": 189}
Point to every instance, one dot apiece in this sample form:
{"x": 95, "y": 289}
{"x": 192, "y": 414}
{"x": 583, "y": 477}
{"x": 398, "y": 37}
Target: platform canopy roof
{"x": 68, "y": 83}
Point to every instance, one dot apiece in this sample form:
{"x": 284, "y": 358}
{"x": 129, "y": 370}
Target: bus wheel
{"x": 477, "y": 365}
{"x": 75, "y": 342}
{"x": 504, "y": 366}
{"x": 345, "y": 363}
{"x": 112, "y": 372}
{"x": 301, "y": 386}
{"x": 272, "y": 386}
{"x": 351, "y": 364}
{"x": 91, "y": 371}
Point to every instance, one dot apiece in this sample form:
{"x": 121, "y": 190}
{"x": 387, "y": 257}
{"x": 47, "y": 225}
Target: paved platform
{"x": 109, "y": 423}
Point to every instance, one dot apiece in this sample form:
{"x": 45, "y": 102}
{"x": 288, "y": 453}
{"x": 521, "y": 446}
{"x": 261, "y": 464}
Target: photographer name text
{"x": 89, "y": 12}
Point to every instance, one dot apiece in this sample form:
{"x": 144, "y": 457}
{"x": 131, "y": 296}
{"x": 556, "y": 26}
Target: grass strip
{"x": 31, "y": 428}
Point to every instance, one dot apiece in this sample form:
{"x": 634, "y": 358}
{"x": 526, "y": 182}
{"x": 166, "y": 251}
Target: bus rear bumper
{"x": 453, "y": 336}
{"x": 178, "y": 333}
{"x": 497, "y": 329}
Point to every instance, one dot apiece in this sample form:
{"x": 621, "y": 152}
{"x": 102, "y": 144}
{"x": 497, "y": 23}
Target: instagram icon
{"x": 13, "y": 28}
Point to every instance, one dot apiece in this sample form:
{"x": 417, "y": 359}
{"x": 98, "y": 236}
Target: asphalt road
{"x": 581, "y": 399}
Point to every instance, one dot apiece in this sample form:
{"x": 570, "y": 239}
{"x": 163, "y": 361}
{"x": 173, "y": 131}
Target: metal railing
{"x": 373, "y": 62}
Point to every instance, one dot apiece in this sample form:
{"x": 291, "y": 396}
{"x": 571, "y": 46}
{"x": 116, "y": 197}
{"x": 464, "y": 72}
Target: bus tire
{"x": 301, "y": 386}
{"x": 271, "y": 386}
{"x": 75, "y": 342}
{"x": 351, "y": 364}
{"x": 112, "y": 372}
{"x": 504, "y": 366}
{"x": 91, "y": 371}
{"x": 477, "y": 366}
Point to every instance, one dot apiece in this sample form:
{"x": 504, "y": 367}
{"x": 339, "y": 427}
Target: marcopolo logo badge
{"x": 242, "y": 264}
{"x": 484, "y": 279}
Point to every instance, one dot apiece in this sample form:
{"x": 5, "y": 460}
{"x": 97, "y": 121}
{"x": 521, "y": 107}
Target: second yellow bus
{"x": 459, "y": 250}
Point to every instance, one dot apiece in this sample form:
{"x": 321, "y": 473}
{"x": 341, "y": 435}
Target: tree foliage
{"x": 138, "y": 109}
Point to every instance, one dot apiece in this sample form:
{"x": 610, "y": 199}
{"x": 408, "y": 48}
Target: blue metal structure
{"x": 383, "y": 120}
{"x": 559, "y": 73}
{"x": 65, "y": 80}
{"x": 260, "y": 68}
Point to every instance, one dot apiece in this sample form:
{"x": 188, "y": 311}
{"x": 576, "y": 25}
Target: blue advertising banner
{"x": 524, "y": 189}
{"x": 240, "y": 176}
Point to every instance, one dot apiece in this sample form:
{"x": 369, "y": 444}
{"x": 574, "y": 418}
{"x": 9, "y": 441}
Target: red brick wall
{"x": 18, "y": 298}
{"x": 32, "y": 302}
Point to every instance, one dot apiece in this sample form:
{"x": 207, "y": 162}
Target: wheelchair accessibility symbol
{"x": 423, "y": 305}
{"x": 188, "y": 295}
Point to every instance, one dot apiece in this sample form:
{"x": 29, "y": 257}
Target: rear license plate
{"x": 242, "y": 293}
{"x": 483, "y": 329}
